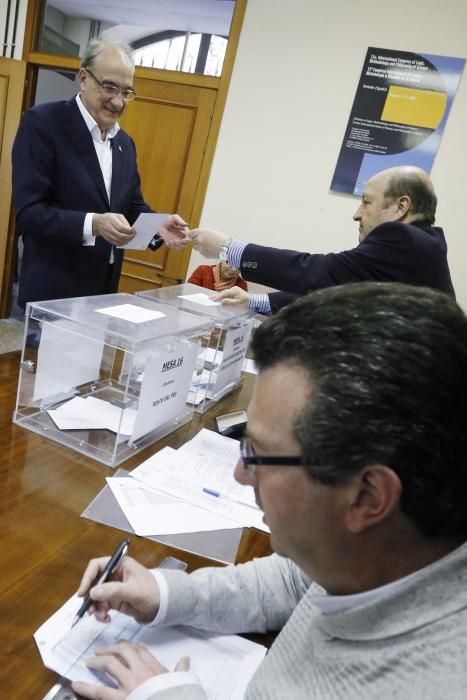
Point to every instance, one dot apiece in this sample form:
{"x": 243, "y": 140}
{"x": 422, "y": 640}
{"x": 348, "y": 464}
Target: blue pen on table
{"x": 112, "y": 565}
{"x": 223, "y": 497}
{"x": 211, "y": 492}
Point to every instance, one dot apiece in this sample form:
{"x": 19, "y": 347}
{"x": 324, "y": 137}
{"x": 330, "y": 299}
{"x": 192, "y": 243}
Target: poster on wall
{"x": 398, "y": 116}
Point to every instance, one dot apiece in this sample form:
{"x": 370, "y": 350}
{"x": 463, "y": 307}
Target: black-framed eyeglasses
{"x": 112, "y": 90}
{"x": 251, "y": 460}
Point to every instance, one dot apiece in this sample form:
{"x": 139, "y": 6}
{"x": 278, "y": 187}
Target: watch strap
{"x": 224, "y": 250}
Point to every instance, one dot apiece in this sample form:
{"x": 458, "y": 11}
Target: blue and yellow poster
{"x": 398, "y": 116}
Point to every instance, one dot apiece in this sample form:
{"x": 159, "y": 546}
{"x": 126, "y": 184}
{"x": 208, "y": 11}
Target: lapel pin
{"x": 120, "y": 149}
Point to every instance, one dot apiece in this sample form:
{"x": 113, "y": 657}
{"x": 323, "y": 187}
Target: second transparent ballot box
{"x": 225, "y": 353}
{"x": 108, "y": 375}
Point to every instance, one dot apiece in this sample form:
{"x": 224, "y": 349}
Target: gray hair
{"x": 96, "y": 46}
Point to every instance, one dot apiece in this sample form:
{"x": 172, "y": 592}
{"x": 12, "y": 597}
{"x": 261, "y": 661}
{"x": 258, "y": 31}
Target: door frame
{"x": 15, "y": 73}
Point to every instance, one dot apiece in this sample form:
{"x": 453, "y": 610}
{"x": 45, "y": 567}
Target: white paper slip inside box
{"x": 211, "y": 357}
{"x": 93, "y": 414}
{"x": 72, "y": 415}
{"x": 146, "y": 226}
{"x": 224, "y": 664}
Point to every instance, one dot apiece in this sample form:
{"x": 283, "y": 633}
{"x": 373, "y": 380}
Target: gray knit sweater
{"x": 410, "y": 642}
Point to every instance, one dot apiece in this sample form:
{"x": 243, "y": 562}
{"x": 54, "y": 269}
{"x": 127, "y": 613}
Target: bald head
{"x": 404, "y": 194}
{"x": 416, "y": 184}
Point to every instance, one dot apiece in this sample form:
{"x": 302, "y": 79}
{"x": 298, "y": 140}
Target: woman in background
{"x": 217, "y": 277}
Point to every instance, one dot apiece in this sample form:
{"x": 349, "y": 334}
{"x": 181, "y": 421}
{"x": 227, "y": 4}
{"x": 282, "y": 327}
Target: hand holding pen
{"x": 111, "y": 566}
{"x": 131, "y": 590}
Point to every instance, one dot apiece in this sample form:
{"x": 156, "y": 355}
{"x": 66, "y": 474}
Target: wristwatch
{"x": 223, "y": 250}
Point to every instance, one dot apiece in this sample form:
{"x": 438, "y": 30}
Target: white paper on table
{"x": 93, "y": 414}
{"x": 151, "y": 466}
{"x": 146, "y": 226}
{"x": 243, "y": 515}
{"x": 152, "y": 513}
{"x": 160, "y": 472}
{"x": 166, "y": 472}
{"x": 224, "y": 664}
{"x": 131, "y": 312}
{"x": 65, "y": 360}
{"x": 201, "y": 298}
{"x": 209, "y": 460}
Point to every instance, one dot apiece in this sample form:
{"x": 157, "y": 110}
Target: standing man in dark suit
{"x": 76, "y": 185}
{"x": 397, "y": 243}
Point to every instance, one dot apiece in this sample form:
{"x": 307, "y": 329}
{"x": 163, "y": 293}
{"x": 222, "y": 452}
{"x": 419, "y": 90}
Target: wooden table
{"x": 45, "y": 545}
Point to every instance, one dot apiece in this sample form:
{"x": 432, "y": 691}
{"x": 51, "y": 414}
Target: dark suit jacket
{"x": 56, "y": 181}
{"x": 392, "y": 252}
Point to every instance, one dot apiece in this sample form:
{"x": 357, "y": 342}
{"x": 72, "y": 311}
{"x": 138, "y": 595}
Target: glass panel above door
{"x": 183, "y": 35}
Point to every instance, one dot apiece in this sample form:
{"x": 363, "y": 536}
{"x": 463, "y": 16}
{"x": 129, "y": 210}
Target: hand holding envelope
{"x": 170, "y": 227}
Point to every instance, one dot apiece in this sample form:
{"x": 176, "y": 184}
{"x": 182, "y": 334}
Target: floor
{"x": 11, "y": 335}
{"x": 12, "y": 329}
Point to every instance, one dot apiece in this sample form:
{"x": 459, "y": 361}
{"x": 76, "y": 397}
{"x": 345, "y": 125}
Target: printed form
{"x": 198, "y": 473}
{"x": 224, "y": 664}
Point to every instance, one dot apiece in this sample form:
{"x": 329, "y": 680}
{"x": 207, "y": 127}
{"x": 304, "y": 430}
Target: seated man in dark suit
{"x": 76, "y": 186}
{"x": 397, "y": 243}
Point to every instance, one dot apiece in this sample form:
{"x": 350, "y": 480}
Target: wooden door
{"x": 170, "y": 124}
{"x": 12, "y": 74}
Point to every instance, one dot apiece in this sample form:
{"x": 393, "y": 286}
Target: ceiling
{"x": 133, "y": 19}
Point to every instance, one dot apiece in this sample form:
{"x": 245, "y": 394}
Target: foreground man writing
{"x": 357, "y": 451}
{"x": 397, "y": 243}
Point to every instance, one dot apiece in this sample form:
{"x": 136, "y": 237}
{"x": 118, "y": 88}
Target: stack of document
{"x": 191, "y": 489}
{"x": 224, "y": 664}
{"x": 202, "y": 386}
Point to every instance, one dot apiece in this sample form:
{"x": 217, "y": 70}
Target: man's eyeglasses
{"x": 111, "y": 90}
{"x": 250, "y": 459}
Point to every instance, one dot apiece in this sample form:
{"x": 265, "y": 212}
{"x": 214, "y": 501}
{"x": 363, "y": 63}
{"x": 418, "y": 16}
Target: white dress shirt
{"x": 104, "y": 156}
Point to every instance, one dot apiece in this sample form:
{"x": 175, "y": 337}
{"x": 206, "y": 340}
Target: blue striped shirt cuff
{"x": 235, "y": 252}
{"x": 260, "y": 304}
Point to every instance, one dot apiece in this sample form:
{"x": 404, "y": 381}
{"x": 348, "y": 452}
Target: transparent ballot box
{"x": 225, "y": 352}
{"x": 108, "y": 375}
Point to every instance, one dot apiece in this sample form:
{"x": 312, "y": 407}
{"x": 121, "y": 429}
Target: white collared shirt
{"x": 104, "y": 156}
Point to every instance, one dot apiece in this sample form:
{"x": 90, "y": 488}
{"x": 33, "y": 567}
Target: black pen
{"x": 113, "y": 564}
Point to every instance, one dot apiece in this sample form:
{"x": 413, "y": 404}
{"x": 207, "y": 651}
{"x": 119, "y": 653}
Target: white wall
{"x": 294, "y": 80}
{"x": 13, "y": 51}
